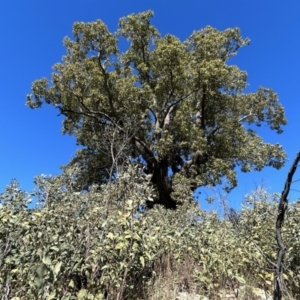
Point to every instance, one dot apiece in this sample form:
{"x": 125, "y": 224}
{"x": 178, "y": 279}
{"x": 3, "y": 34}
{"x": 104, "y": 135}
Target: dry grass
{"x": 171, "y": 278}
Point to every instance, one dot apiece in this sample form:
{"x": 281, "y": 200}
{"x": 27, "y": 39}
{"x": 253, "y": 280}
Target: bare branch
{"x": 106, "y": 85}
{"x": 247, "y": 116}
{"x": 282, "y": 207}
{"x": 171, "y": 107}
{"x": 5, "y": 250}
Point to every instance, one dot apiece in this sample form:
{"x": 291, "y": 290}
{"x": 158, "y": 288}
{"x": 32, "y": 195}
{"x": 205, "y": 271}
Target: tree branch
{"x": 171, "y": 107}
{"x": 247, "y": 116}
{"x": 145, "y": 152}
{"x": 106, "y": 85}
{"x": 203, "y": 109}
{"x": 282, "y": 207}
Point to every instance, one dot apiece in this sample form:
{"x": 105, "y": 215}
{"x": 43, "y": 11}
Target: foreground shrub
{"x": 104, "y": 244}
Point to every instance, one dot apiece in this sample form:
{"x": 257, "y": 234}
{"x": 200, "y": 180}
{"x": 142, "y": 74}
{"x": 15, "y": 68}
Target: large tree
{"x": 177, "y": 107}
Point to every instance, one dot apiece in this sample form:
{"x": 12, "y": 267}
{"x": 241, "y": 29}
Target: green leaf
{"x": 47, "y": 261}
{"x": 110, "y": 235}
{"x": 82, "y": 294}
{"x": 41, "y": 270}
{"x": 57, "y": 268}
{"x": 71, "y": 283}
{"x": 39, "y": 282}
{"x": 240, "y": 279}
{"x": 51, "y": 296}
{"x": 142, "y": 260}
{"x": 120, "y": 245}
{"x": 148, "y": 255}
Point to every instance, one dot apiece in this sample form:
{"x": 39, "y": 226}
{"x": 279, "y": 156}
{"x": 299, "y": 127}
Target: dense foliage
{"x": 156, "y": 121}
{"x": 105, "y": 245}
{"x": 180, "y": 106}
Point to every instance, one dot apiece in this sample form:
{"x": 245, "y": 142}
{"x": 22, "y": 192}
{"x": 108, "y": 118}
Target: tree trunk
{"x": 158, "y": 167}
{"x": 161, "y": 180}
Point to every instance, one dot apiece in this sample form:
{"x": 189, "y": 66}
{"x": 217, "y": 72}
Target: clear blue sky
{"x": 31, "y": 42}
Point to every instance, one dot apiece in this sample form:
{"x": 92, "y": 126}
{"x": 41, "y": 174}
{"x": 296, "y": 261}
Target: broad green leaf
{"x": 142, "y": 260}
{"x": 57, "y": 268}
{"x": 47, "y": 261}
{"x": 120, "y": 245}
{"x": 82, "y": 294}
{"x": 41, "y": 270}
{"x": 71, "y": 283}
{"x": 240, "y": 279}
{"x": 110, "y": 235}
{"x": 39, "y": 282}
{"x": 51, "y": 296}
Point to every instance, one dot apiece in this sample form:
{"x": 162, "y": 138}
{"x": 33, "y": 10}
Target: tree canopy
{"x": 178, "y": 108}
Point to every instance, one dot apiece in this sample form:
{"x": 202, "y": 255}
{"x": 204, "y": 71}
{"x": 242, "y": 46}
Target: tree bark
{"x": 163, "y": 183}
{"x": 282, "y": 207}
{"x": 158, "y": 167}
